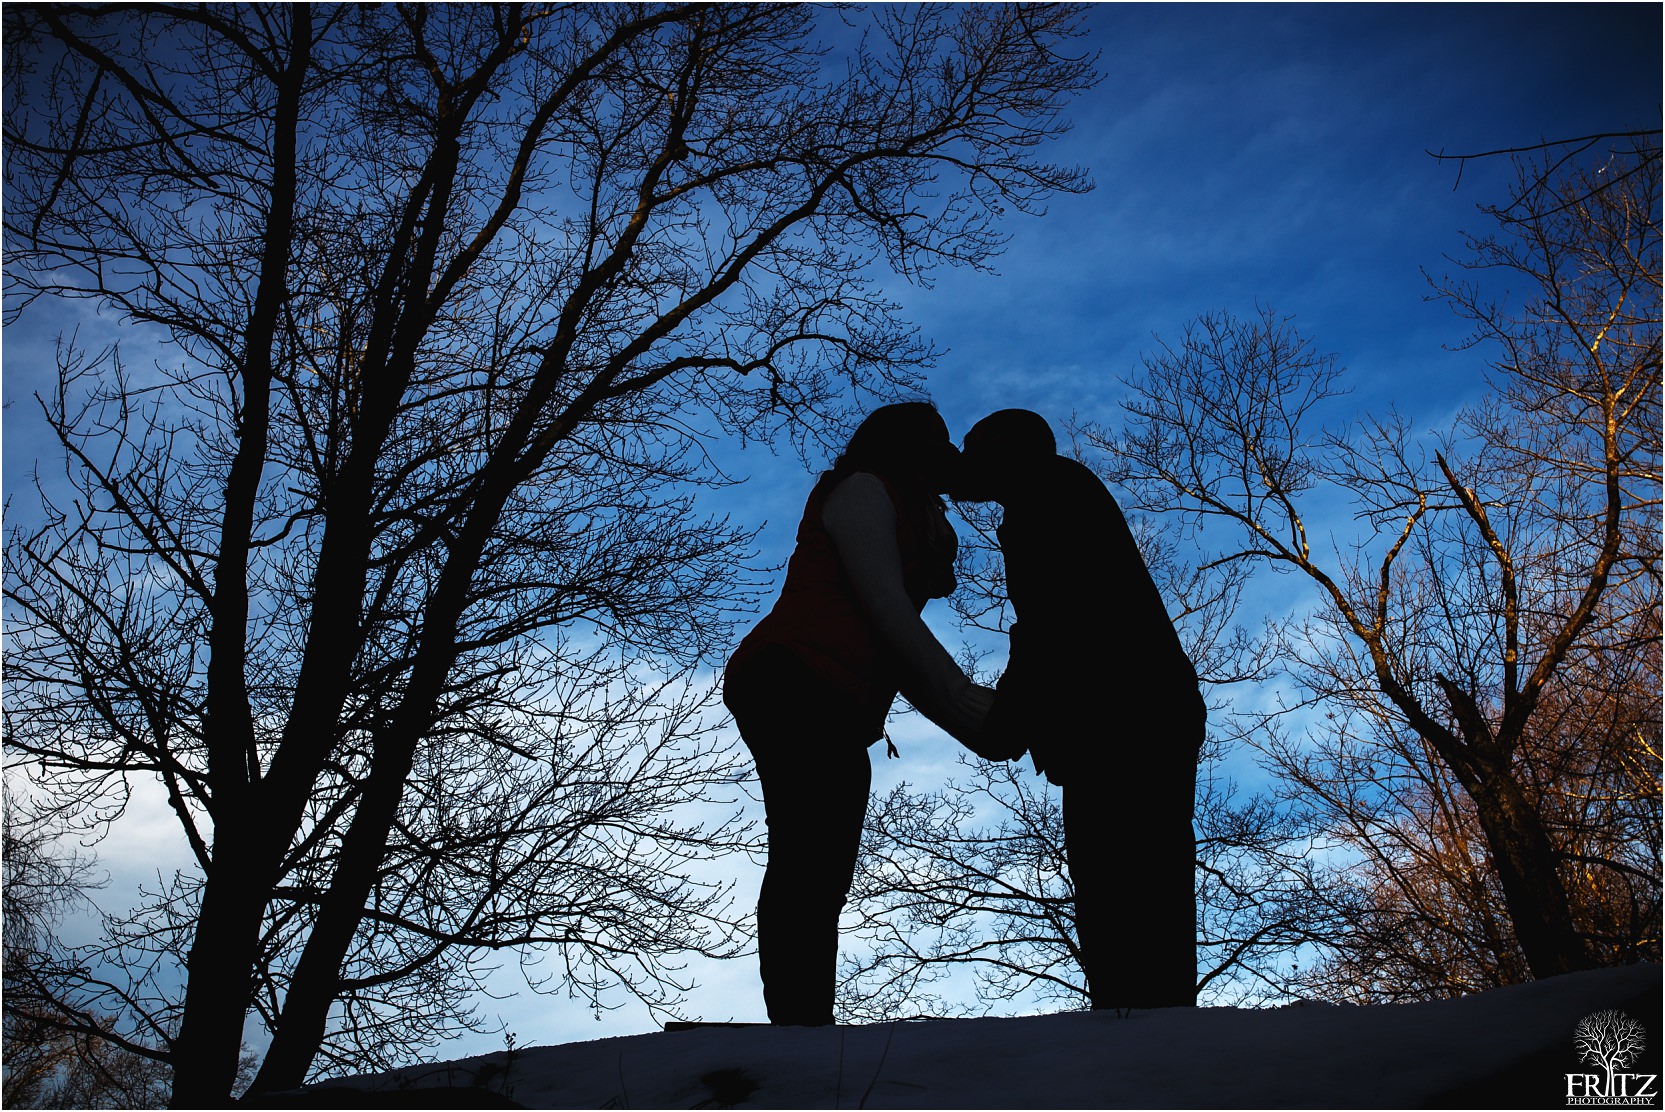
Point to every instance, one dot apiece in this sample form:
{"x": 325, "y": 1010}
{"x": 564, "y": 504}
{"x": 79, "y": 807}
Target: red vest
{"x": 818, "y": 618}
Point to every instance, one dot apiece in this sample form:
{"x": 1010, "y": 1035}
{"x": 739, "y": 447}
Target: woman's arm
{"x": 861, "y": 520}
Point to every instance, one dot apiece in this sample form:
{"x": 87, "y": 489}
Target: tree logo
{"x": 1611, "y": 1041}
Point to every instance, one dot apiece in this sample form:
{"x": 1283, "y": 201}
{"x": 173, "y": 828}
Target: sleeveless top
{"x": 819, "y": 621}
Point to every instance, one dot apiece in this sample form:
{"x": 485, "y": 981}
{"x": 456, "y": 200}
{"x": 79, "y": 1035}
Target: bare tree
{"x": 374, "y": 572}
{"x": 48, "y": 882}
{"x": 968, "y": 877}
{"x": 1435, "y": 920}
{"x": 1609, "y": 1039}
{"x": 964, "y": 903}
{"x": 1478, "y": 689}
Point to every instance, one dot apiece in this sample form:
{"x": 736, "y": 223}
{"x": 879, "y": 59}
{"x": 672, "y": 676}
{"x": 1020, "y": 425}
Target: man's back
{"x": 1079, "y": 588}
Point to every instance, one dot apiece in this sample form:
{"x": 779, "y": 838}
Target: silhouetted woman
{"x": 812, "y": 683}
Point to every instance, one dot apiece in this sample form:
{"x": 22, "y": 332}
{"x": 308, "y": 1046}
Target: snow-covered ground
{"x": 1511, "y": 1048}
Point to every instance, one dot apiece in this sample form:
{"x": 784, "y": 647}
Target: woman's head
{"x": 907, "y": 442}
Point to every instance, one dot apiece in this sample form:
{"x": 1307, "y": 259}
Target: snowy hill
{"x": 1511, "y": 1048}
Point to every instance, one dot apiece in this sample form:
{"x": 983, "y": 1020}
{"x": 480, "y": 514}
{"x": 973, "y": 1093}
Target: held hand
{"x": 963, "y": 710}
{"x": 995, "y": 749}
{"x": 991, "y": 742}
{"x": 978, "y": 701}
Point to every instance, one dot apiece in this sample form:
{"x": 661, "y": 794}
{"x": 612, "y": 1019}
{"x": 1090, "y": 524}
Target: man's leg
{"x": 1132, "y": 860}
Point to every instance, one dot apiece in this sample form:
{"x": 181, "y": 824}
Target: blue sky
{"x": 1274, "y": 155}
{"x": 1244, "y": 155}
{"x": 1264, "y": 155}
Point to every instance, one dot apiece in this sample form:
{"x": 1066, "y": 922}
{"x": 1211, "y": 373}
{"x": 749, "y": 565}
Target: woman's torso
{"x": 818, "y": 619}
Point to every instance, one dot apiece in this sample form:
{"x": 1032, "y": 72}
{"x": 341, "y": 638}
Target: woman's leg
{"x": 815, "y": 775}
{"x": 815, "y": 796}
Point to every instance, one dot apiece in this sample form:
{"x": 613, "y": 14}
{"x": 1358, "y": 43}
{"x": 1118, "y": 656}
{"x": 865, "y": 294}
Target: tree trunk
{"x": 1525, "y": 861}
{"x": 246, "y": 855}
{"x": 317, "y": 977}
{"x": 206, "y": 1052}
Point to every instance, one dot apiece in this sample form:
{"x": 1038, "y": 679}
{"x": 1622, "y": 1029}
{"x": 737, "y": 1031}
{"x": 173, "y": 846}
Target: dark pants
{"x": 1132, "y": 861}
{"x": 1129, "y": 781}
{"x": 812, "y": 762}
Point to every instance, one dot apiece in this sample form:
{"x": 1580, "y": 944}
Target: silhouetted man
{"x": 1101, "y": 693}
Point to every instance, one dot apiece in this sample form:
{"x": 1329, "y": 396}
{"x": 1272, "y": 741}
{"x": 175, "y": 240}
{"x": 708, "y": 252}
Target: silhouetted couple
{"x": 1097, "y": 689}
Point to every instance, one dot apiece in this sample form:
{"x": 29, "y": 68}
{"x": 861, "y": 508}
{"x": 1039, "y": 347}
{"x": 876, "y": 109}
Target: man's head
{"x": 1000, "y": 450}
